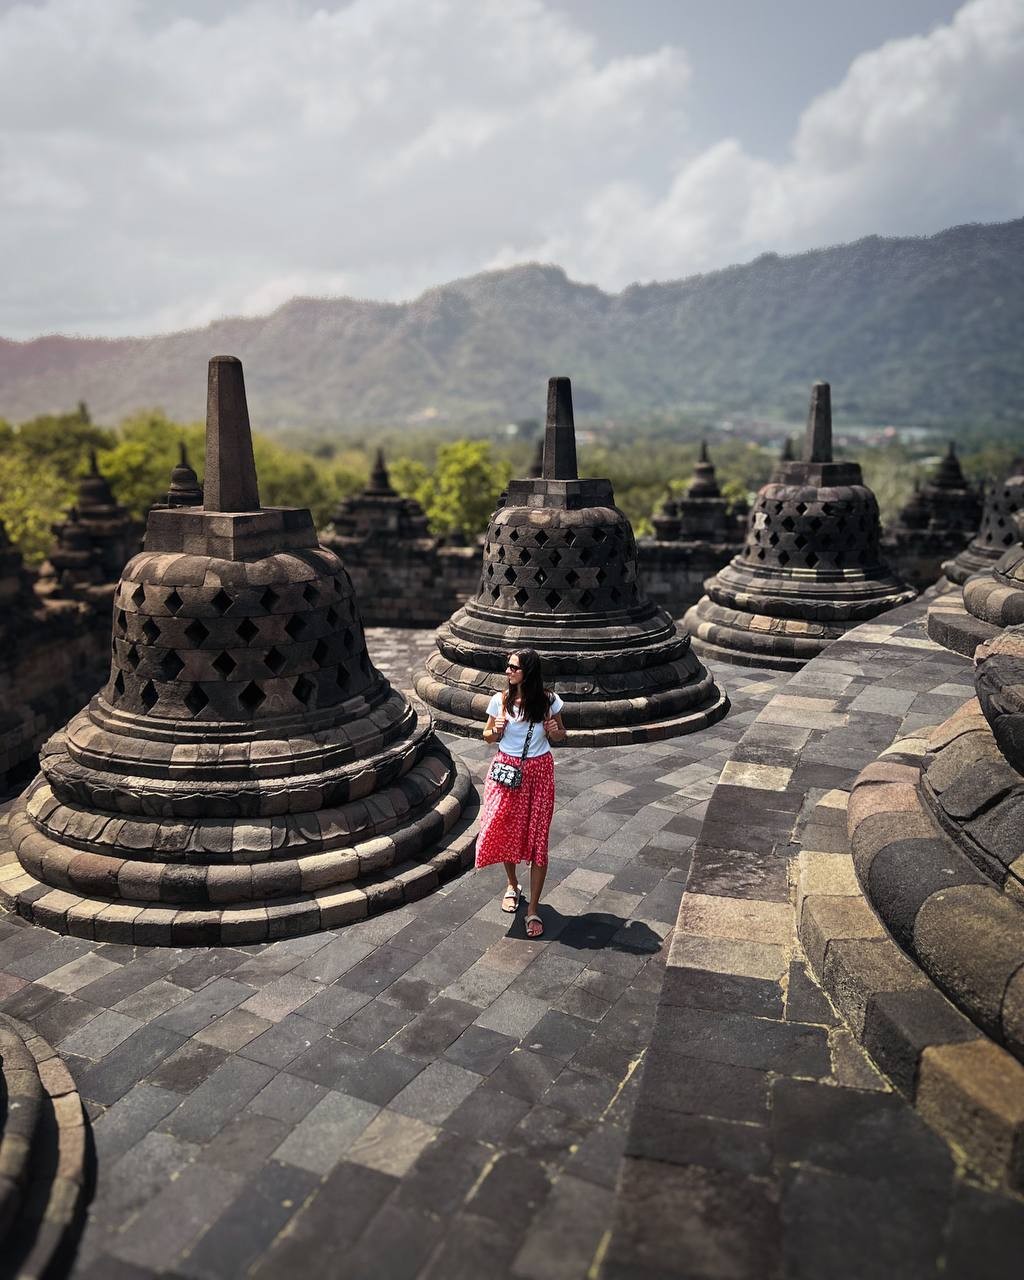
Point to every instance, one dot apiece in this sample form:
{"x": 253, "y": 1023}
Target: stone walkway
{"x": 425, "y": 1093}
{"x": 429, "y": 1093}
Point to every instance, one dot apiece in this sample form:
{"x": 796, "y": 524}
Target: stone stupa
{"x": 810, "y": 569}
{"x": 936, "y": 523}
{"x": 996, "y": 534}
{"x": 246, "y": 773}
{"x": 701, "y": 515}
{"x": 376, "y": 512}
{"x": 559, "y": 575}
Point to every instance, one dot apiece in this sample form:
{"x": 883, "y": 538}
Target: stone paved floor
{"x": 430, "y": 1093}
{"x": 425, "y": 1093}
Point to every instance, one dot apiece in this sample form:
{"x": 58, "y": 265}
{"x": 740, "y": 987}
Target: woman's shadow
{"x": 591, "y": 931}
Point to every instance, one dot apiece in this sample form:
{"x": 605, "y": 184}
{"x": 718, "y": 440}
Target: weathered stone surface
{"x": 244, "y": 749}
{"x": 936, "y": 524}
{"x": 811, "y": 567}
{"x": 996, "y": 534}
{"x": 559, "y": 575}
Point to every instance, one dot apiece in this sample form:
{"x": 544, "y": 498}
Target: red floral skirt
{"x": 514, "y": 822}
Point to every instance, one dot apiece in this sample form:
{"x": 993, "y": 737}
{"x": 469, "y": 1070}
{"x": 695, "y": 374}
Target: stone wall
{"x": 408, "y": 583}
{"x": 420, "y": 584}
{"x": 48, "y": 669}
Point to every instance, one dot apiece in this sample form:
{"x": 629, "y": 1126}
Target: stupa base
{"x": 396, "y": 870}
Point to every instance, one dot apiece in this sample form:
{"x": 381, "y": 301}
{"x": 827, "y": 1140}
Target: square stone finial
{"x": 560, "y": 433}
{"x": 230, "y": 481}
{"x": 818, "y": 439}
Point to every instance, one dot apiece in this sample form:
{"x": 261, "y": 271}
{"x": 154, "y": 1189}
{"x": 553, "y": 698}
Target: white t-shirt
{"x": 516, "y": 728}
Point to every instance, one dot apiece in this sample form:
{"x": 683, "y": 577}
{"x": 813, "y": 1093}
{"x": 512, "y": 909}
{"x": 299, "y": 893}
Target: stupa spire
{"x": 818, "y": 437}
{"x": 230, "y": 481}
{"x": 560, "y": 433}
{"x": 380, "y": 481}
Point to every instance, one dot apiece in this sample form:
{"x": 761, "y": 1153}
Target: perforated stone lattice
{"x": 223, "y": 651}
{"x": 1002, "y": 501}
{"x": 788, "y": 531}
{"x": 558, "y": 568}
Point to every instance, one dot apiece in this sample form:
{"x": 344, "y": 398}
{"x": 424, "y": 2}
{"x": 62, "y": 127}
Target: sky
{"x": 163, "y": 163}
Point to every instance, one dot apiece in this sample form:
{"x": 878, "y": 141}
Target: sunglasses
{"x": 511, "y": 666}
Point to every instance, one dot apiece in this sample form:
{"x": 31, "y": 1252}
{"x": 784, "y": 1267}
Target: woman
{"x": 515, "y": 821}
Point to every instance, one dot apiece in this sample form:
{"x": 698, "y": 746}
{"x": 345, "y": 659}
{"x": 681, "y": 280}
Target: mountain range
{"x": 925, "y": 330}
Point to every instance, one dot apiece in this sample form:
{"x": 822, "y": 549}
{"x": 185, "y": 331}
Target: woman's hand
{"x": 554, "y": 729}
{"x": 499, "y": 726}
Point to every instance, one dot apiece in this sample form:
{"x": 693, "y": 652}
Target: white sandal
{"x": 534, "y": 920}
{"x": 513, "y": 895}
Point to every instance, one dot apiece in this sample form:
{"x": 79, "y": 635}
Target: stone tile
{"x": 327, "y": 1133}
{"x": 762, "y": 777}
{"x": 488, "y": 1115}
{"x": 287, "y": 1098}
{"x": 77, "y": 973}
{"x": 100, "y": 1035}
{"x": 512, "y": 1014}
{"x": 200, "y": 1009}
{"x": 187, "y": 1067}
{"x": 151, "y": 1000}
{"x": 479, "y": 1049}
{"x": 738, "y": 919}
{"x": 391, "y": 1143}
{"x": 284, "y": 1041}
{"x": 246, "y": 1142}
{"x": 436, "y": 1092}
{"x": 131, "y": 1061}
{"x": 205, "y": 1111}
{"x": 726, "y": 955}
{"x": 564, "y": 1238}
{"x": 379, "y": 1076}
{"x": 168, "y": 1224}
{"x": 436, "y": 1028}
{"x": 281, "y": 997}
{"x": 124, "y": 1125}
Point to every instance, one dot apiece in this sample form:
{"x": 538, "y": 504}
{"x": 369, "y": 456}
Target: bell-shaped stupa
{"x": 246, "y": 773}
{"x": 376, "y": 512}
{"x": 810, "y": 568}
{"x": 560, "y": 576}
{"x": 996, "y": 534}
{"x": 936, "y": 522}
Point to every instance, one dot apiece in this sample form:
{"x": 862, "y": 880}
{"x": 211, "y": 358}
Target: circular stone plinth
{"x": 42, "y": 1155}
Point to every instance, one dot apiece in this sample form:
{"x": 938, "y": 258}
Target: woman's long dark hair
{"x": 534, "y": 697}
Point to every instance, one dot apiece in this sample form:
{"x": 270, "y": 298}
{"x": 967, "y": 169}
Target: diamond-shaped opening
{"x": 222, "y": 602}
{"x": 332, "y": 616}
{"x": 310, "y": 594}
{"x": 149, "y": 695}
{"x": 615, "y": 594}
{"x": 510, "y": 574}
{"x": 171, "y": 666}
{"x": 252, "y": 697}
{"x": 542, "y": 577}
{"x": 826, "y": 508}
{"x": 572, "y": 577}
{"x": 584, "y": 556}
{"x": 586, "y": 599}
{"x": 304, "y": 690}
{"x": 570, "y": 539}
{"x": 553, "y": 599}
{"x": 495, "y": 592}
{"x": 295, "y": 625}
{"x": 777, "y": 506}
{"x": 119, "y": 684}
{"x": 341, "y": 675}
{"x": 520, "y": 597}
{"x": 274, "y": 659}
{"x": 760, "y": 553}
{"x": 348, "y": 639}
{"x": 131, "y": 656}
{"x": 799, "y": 542}
{"x": 501, "y": 555}
{"x": 224, "y": 664}
{"x": 555, "y": 559}
{"x": 196, "y": 632}
{"x": 524, "y": 556}
{"x": 247, "y": 630}
{"x": 789, "y": 524}
{"x": 601, "y": 577}
{"x": 174, "y": 602}
{"x": 320, "y": 653}
{"x": 801, "y": 507}
{"x": 773, "y": 540}
{"x": 268, "y": 599}
{"x": 599, "y": 535}
{"x": 119, "y": 621}
{"x": 514, "y": 536}
{"x": 139, "y": 596}
{"x": 150, "y": 631}
{"x": 814, "y": 525}
{"x": 196, "y": 700}
{"x": 541, "y": 538}
{"x": 783, "y": 557}
{"x": 490, "y": 571}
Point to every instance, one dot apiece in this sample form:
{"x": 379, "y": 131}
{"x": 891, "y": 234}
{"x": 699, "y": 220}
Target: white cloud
{"x": 921, "y": 134}
{"x": 157, "y": 171}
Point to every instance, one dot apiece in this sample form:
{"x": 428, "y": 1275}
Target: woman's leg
{"x": 510, "y": 871}
{"x": 537, "y": 873}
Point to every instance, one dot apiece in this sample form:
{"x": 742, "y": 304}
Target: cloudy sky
{"x": 164, "y": 163}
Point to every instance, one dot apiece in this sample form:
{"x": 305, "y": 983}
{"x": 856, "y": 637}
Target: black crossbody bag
{"x": 511, "y": 775}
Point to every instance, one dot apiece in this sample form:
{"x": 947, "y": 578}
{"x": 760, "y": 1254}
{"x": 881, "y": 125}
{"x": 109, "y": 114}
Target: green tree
{"x": 33, "y": 495}
{"x": 460, "y": 493}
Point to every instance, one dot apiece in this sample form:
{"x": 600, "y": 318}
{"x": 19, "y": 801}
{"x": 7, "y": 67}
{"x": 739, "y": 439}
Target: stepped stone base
{"x": 42, "y": 1155}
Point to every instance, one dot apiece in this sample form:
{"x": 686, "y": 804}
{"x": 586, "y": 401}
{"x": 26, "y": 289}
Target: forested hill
{"x": 924, "y": 330}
